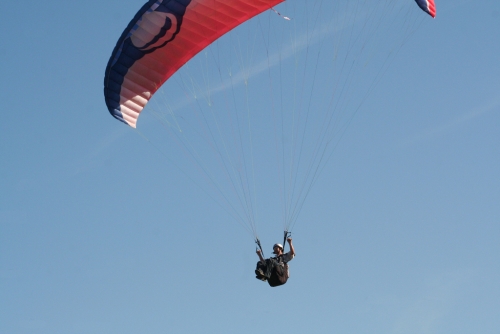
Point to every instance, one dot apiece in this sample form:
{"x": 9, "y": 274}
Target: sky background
{"x": 100, "y": 234}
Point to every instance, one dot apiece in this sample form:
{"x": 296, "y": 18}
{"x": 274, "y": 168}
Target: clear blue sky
{"x": 99, "y": 233}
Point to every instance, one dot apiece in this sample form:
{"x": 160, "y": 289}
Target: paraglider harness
{"x": 276, "y": 268}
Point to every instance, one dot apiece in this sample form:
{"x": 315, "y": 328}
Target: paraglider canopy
{"x": 163, "y": 36}
{"x": 427, "y": 6}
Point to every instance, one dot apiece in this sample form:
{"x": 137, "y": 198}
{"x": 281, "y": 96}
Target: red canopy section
{"x": 161, "y": 38}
